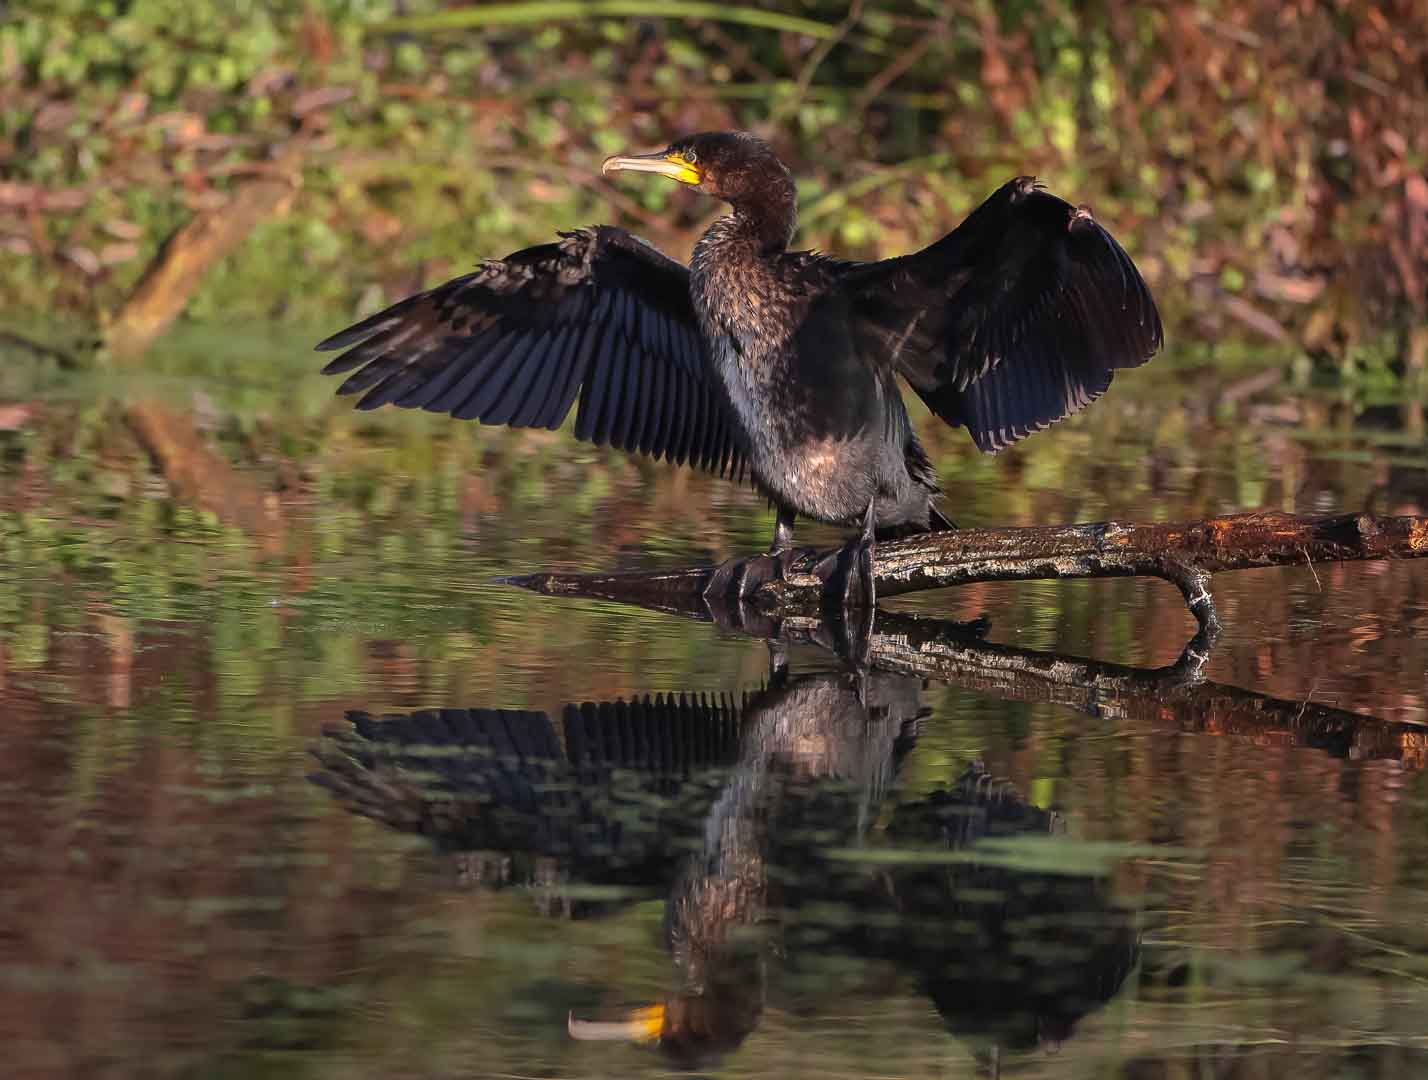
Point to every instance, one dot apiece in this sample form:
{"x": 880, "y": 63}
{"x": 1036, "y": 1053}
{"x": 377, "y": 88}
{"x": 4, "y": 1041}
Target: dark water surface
{"x": 299, "y": 790}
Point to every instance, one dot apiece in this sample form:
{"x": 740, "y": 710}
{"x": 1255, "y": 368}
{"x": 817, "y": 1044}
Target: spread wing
{"x": 599, "y": 314}
{"x": 1012, "y": 321}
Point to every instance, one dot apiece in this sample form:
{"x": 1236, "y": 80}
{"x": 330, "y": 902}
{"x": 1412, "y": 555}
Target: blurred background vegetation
{"x": 1263, "y": 161}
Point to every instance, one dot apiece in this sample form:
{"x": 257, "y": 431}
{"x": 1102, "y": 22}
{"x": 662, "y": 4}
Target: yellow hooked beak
{"x": 639, "y": 1025}
{"x": 668, "y": 163}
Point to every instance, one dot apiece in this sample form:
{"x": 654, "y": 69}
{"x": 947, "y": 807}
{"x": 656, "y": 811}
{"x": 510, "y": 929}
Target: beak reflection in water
{"x": 640, "y": 1025}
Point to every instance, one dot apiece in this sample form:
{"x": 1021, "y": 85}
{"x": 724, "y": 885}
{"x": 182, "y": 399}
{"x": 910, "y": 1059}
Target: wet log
{"x": 1184, "y": 553}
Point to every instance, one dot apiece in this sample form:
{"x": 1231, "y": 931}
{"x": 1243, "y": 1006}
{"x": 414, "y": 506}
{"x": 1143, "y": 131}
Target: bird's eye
{"x": 690, "y": 156}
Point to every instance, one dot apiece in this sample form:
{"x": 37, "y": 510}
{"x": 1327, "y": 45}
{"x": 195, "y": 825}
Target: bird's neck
{"x": 769, "y": 218}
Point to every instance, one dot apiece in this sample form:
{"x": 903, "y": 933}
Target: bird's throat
{"x": 768, "y": 222}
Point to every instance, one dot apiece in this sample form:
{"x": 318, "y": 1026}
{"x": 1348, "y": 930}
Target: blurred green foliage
{"x": 1263, "y": 162}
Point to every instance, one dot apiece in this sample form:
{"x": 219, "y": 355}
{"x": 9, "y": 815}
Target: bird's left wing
{"x": 599, "y": 314}
{"x": 1015, "y": 319}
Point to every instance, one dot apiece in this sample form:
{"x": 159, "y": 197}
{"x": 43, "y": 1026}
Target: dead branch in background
{"x": 1185, "y": 554}
{"x": 193, "y": 248}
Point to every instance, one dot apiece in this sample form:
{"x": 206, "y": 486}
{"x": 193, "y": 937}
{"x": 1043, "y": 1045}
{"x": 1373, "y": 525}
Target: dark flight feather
{"x": 598, "y": 316}
{"x": 1012, "y": 321}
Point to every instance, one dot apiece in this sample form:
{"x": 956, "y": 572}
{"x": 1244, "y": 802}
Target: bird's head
{"x": 735, "y": 166}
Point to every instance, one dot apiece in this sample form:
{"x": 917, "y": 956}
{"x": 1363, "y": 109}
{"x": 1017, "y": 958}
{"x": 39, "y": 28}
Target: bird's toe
{"x": 721, "y": 583}
{"x": 743, "y": 578}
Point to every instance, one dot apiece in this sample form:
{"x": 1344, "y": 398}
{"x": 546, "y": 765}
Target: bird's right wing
{"x": 599, "y": 314}
{"x": 1018, "y": 317}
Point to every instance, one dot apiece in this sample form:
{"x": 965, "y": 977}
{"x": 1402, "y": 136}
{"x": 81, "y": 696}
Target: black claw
{"x": 718, "y": 586}
{"x": 758, "y": 572}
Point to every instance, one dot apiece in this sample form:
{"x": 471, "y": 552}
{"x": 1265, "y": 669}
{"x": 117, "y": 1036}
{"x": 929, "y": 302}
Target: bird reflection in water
{"x": 774, "y": 827}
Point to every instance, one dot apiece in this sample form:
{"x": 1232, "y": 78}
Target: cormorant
{"x": 784, "y": 362}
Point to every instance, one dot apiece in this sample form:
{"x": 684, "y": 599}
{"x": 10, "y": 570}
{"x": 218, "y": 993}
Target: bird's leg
{"x": 783, "y": 532}
{"x": 781, "y": 552}
{"x": 850, "y": 574}
{"x": 744, "y": 577}
{"x": 853, "y": 630}
{"x": 866, "y": 544}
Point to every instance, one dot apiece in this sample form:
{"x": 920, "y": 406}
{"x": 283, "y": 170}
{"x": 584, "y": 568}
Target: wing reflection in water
{"x": 773, "y": 825}
{"x": 610, "y": 795}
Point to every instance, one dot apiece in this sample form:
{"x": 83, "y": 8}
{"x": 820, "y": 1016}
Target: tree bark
{"x": 1184, "y": 553}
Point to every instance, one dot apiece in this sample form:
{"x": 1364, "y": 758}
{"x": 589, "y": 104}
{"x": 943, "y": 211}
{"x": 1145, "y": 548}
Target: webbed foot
{"x": 742, "y": 578}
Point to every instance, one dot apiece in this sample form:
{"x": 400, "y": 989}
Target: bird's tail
{"x": 936, "y": 522}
